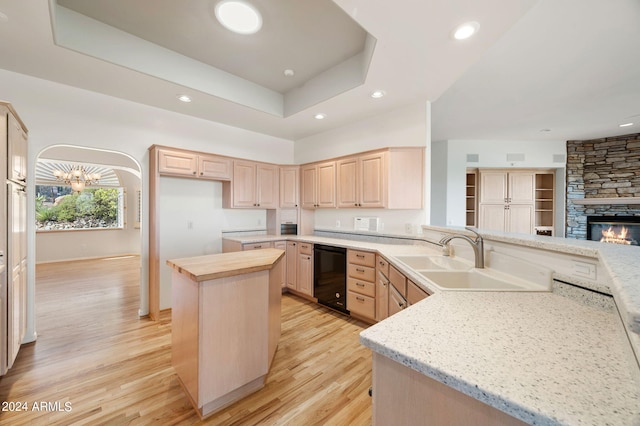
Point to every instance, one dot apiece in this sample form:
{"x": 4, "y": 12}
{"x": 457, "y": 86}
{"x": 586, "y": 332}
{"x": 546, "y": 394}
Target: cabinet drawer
{"x": 305, "y": 248}
{"x": 398, "y": 280}
{"x": 362, "y": 272}
{"x": 256, "y": 246}
{"x": 363, "y": 258}
{"x": 360, "y": 286}
{"x": 415, "y": 293}
{"x": 361, "y": 305}
{"x": 382, "y": 265}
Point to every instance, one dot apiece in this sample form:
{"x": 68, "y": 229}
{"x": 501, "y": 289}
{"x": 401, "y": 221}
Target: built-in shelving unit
{"x": 544, "y": 204}
{"x": 471, "y": 197}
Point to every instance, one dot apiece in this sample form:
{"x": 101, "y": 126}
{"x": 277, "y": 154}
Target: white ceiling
{"x": 570, "y": 66}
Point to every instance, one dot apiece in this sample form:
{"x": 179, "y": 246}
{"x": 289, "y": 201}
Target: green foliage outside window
{"x": 60, "y": 208}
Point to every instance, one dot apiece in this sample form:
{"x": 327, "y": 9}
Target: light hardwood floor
{"x": 111, "y": 367}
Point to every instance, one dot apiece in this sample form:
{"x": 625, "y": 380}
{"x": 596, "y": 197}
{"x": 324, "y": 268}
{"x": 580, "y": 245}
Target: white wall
{"x": 191, "y": 223}
{"x": 84, "y": 244}
{"x": 538, "y": 154}
{"x": 408, "y": 126}
{"x": 58, "y": 114}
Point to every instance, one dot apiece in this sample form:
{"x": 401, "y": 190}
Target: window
{"x": 59, "y": 208}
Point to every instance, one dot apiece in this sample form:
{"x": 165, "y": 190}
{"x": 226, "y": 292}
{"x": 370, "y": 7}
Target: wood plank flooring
{"x": 110, "y": 367}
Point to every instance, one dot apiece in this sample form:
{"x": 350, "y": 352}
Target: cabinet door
{"x": 326, "y": 192}
{"x": 521, "y": 188}
{"x": 305, "y": 274}
{"x": 213, "y": 167}
{"x": 493, "y": 187}
{"x": 292, "y": 264}
{"x": 177, "y": 163}
{"x": 17, "y": 150}
{"x": 372, "y": 180}
{"x": 382, "y": 297}
{"x": 244, "y": 184}
{"x": 520, "y": 218}
{"x": 289, "y": 188}
{"x": 267, "y": 186}
{"x": 309, "y": 185}
{"x": 282, "y": 245}
{"x": 347, "y": 183}
{"x": 396, "y": 301}
{"x": 492, "y": 217}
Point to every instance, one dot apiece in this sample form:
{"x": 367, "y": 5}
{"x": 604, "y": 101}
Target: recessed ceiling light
{"x": 289, "y": 72}
{"x": 626, "y": 124}
{"x": 184, "y": 98}
{"x": 238, "y": 16}
{"x": 320, "y": 116}
{"x": 545, "y": 130}
{"x": 466, "y": 30}
{"x": 378, "y": 94}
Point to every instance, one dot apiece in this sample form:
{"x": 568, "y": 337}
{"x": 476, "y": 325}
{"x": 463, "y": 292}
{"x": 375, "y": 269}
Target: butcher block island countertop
{"x": 225, "y": 313}
{"x": 213, "y": 266}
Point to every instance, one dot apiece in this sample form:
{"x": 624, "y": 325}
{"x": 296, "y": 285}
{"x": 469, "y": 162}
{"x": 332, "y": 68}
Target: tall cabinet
{"x": 518, "y": 201}
{"x": 13, "y": 235}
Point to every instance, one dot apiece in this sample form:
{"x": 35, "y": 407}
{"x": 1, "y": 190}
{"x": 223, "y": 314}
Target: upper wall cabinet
{"x": 318, "y": 185}
{"x": 189, "y": 164}
{"x": 17, "y": 150}
{"x": 254, "y": 185}
{"x": 392, "y": 178}
{"x": 362, "y": 181}
{"x": 289, "y": 187}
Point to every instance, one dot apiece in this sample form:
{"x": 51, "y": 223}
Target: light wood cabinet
{"x": 305, "y": 269}
{"x": 254, "y": 185}
{"x": 289, "y": 187}
{"x": 190, "y": 164}
{"x": 13, "y": 235}
{"x": 507, "y": 201}
{"x": 361, "y": 181}
{"x": 415, "y": 293}
{"x": 282, "y": 245}
{"x": 292, "y": 265}
{"x": 318, "y": 185}
{"x": 382, "y": 288}
{"x": 361, "y": 284}
{"x": 545, "y": 204}
{"x": 471, "y": 197}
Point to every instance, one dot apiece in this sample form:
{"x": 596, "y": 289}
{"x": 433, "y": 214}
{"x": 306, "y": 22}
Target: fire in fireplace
{"x": 614, "y": 229}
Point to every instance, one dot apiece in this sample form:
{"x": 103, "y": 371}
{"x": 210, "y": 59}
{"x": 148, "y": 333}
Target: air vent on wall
{"x": 515, "y": 157}
{"x": 473, "y": 158}
{"x": 559, "y": 158}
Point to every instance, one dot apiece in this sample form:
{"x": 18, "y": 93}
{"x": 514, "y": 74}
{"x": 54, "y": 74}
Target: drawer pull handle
{"x": 360, "y": 284}
{"x": 360, "y": 270}
{"x": 360, "y": 255}
{"x": 360, "y": 299}
{"x": 258, "y": 247}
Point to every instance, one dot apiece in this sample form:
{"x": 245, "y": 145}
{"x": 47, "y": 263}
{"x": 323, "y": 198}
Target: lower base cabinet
{"x": 361, "y": 284}
{"x": 403, "y": 396}
{"x": 304, "y": 282}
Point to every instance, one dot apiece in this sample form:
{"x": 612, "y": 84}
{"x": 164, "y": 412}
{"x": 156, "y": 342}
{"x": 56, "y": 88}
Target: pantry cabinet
{"x": 254, "y": 185}
{"x": 318, "y": 185}
{"x": 507, "y": 201}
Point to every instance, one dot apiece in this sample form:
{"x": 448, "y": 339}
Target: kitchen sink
{"x": 480, "y": 280}
{"x": 433, "y": 263}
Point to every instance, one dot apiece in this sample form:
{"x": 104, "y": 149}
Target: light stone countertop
{"x": 541, "y": 357}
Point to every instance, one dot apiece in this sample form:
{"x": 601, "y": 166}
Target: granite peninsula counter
{"x": 225, "y": 313}
{"x": 541, "y": 358}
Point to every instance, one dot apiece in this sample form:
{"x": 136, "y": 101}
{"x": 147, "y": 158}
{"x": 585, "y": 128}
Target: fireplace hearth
{"x": 614, "y": 229}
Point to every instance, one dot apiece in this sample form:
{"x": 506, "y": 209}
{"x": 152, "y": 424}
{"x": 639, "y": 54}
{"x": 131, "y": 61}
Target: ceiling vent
{"x": 515, "y": 157}
{"x": 473, "y": 158}
{"x": 559, "y": 158}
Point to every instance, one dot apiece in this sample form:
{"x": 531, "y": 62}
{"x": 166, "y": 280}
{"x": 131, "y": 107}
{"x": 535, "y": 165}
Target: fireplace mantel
{"x": 599, "y": 201}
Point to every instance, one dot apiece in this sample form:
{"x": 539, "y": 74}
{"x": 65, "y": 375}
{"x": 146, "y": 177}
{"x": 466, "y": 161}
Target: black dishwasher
{"x": 330, "y": 276}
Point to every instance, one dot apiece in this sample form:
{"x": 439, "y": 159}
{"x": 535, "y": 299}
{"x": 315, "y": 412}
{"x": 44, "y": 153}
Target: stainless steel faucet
{"x": 477, "y": 245}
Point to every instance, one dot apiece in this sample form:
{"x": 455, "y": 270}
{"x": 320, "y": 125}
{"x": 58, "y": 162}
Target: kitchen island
{"x": 225, "y": 324}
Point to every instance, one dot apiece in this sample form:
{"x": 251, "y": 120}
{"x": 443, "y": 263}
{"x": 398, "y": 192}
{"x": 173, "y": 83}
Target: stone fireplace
{"x": 614, "y": 229}
{"x": 603, "y": 181}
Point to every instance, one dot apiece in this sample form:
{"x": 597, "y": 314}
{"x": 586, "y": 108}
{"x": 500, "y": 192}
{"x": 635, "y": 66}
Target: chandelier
{"x": 77, "y": 177}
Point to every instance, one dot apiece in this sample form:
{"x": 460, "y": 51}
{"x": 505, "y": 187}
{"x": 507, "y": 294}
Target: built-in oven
{"x": 330, "y": 276}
